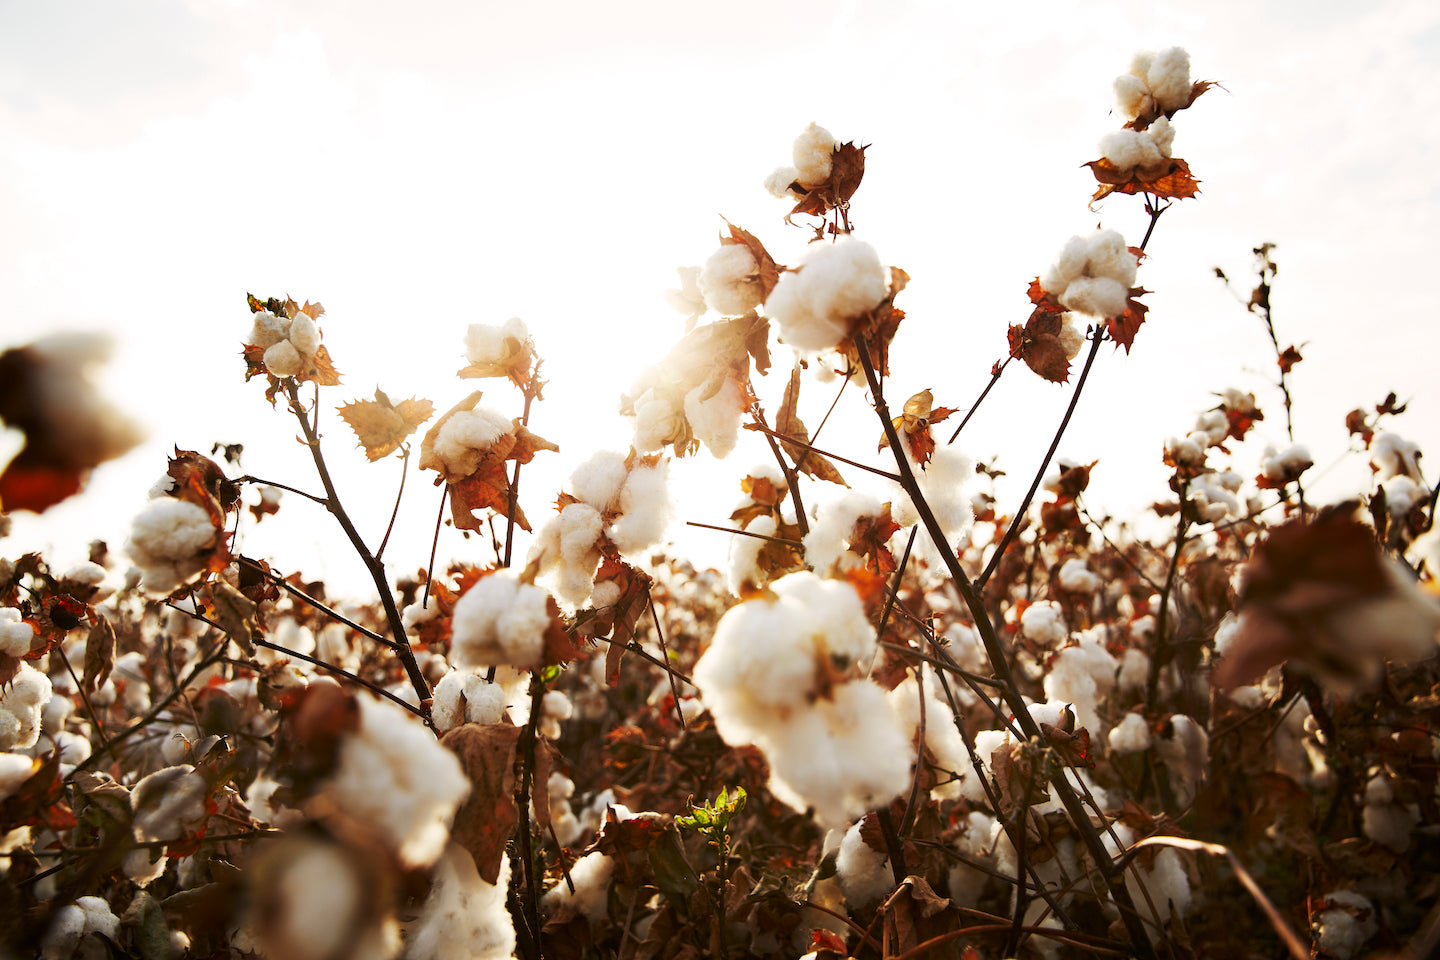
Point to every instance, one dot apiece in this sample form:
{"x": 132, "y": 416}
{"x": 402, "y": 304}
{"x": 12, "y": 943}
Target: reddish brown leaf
{"x": 487, "y": 818}
{"x": 1038, "y": 344}
{"x": 99, "y": 655}
{"x": 769, "y": 273}
{"x": 1288, "y": 358}
{"x": 788, "y": 423}
{"x": 1171, "y": 180}
{"x": 1122, "y": 329}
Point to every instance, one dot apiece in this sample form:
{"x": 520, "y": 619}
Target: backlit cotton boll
{"x": 499, "y": 621}
{"x": 836, "y": 284}
{"x": 730, "y": 281}
{"x": 811, "y": 154}
{"x": 170, "y": 541}
{"x": 1093, "y": 275}
{"x": 1156, "y": 83}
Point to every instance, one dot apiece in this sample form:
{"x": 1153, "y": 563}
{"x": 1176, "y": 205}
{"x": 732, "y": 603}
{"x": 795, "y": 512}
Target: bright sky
{"x": 422, "y": 169}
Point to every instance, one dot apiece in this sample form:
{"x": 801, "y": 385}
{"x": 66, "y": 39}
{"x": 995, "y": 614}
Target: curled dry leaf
{"x": 847, "y": 169}
{"x": 914, "y": 425}
{"x": 788, "y": 423}
{"x": 381, "y": 426}
{"x": 768, "y": 273}
{"x": 1038, "y": 344}
{"x": 487, "y": 818}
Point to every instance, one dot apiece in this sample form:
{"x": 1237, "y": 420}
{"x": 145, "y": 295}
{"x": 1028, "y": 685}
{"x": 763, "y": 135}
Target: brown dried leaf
{"x": 788, "y": 423}
{"x": 1171, "y": 179}
{"x": 381, "y": 426}
{"x": 235, "y": 614}
{"x": 487, "y": 818}
{"x": 769, "y": 272}
{"x": 1038, "y": 344}
{"x": 1122, "y": 329}
{"x": 99, "y": 655}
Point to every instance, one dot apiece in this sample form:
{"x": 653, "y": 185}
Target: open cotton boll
{"x": 395, "y": 776}
{"x": 499, "y": 621}
{"x": 842, "y": 757}
{"x": 15, "y": 634}
{"x": 1127, "y": 149}
{"x": 1076, "y": 577}
{"x": 464, "y": 918}
{"x": 777, "y": 184}
{"x": 1130, "y": 735}
{"x": 812, "y": 153}
{"x": 745, "y": 554}
{"x": 168, "y": 803}
{"x": 715, "y": 420}
{"x": 464, "y": 697}
{"x": 1346, "y": 924}
{"x": 598, "y": 480}
{"x": 645, "y": 509}
{"x": 827, "y": 543}
{"x": 730, "y": 280}
{"x": 283, "y": 360}
{"x": 465, "y": 436}
{"x": 1169, "y": 78}
{"x": 1044, "y": 622}
{"x": 21, "y": 705}
{"x": 305, "y": 336}
{"x": 1393, "y": 455}
{"x": 591, "y": 875}
{"x": 170, "y": 541}
{"x": 835, "y": 284}
{"x": 864, "y": 873}
{"x": 1096, "y": 296}
{"x": 266, "y": 329}
{"x": 942, "y": 738}
{"x": 657, "y": 421}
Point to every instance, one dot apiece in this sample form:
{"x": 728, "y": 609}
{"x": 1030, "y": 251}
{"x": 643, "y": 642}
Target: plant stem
{"x": 374, "y": 566}
{"x": 1079, "y": 817}
{"x": 404, "y": 469}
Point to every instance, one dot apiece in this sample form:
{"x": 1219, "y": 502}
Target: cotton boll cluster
{"x": 1391, "y": 455}
{"x": 1214, "y": 494}
{"x": 499, "y": 621}
{"x": 1343, "y": 923}
{"x": 69, "y": 935}
{"x": 171, "y": 542}
{"x": 462, "y": 696}
{"x": 15, "y": 634}
{"x": 290, "y": 345}
{"x": 836, "y": 284}
{"x": 1144, "y": 151}
{"x": 464, "y": 918}
{"x": 395, "y": 777}
{"x": 1156, "y": 83}
{"x": 1186, "y": 454}
{"x": 21, "y": 705}
{"x": 774, "y": 676}
{"x": 464, "y": 439}
{"x": 864, "y": 873}
{"x": 1280, "y": 467}
{"x": 811, "y": 156}
{"x": 828, "y": 542}
{"x": 614, "y": 505}
{"x": 1093, "y": 275}
{"x": 942, "y": 482}
{"x": 730, "y": 280}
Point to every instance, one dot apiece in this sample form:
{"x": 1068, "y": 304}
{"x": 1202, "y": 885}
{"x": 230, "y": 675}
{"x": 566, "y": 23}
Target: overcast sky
{"x": 421, "y": 169}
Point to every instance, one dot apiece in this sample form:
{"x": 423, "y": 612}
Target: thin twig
{"x": 833, "y": 456}
{"x": 665, "y": 655}
{"x": 404, "y": 470}
{"x": 744, "y": 533}
{"x": 994, "y": 379}
{"x": 304, "y": 597}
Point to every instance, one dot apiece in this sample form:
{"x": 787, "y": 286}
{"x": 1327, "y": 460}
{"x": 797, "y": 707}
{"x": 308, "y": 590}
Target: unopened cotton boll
{"x": 730, "y": 280}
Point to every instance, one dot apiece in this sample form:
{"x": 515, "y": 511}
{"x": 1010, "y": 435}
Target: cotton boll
{"x": 394, "y": 776}
{"x": 1344, "y": 925}
{"x": 598, "y": 480}
{"x": 864, "y": 873}
{"x": 1132, "y": 96}
{"x": 1129, "y": 149}
{"x": 836, "y": 283}
{"x": 657, "y": 421}
{"x": 777, "y": 184}
{"x": 464, "y": 438}
{"x": 305, "y": 336}
{"x": 1168, "y": 77}
{"x": 499, "y": 621}
{"x": 826, "y": 545}
{"x": 745, "y": 554}
{"x": 1162, "y": 132}
{"x": 266, "y": 329}
{"x": 15, "y": 634}
{"x": 464, "y": 918}
{"x": 283, "y": 360}
{"x": 15, "y": 769}
{"x": 1072, "y": 338}
{"x": 1067, "y": 267}
{"x": 730, "y": 280}
{"x": 1392, "y": 455}
{"x": 715, "y": 421}
{"x": 1044, "y": 622}
{"x": 645, "y": 509}
{"x": 812, "y": 153}
{"x": 168, "y": 803}
{"x": 1076, "y": 577}
{"x": 62, "y": 938}
{"x": 1096, "y": 296}
{"x": 170, "y": 541}
{"x": 580, "y": 529}
{"x": 21, "y": 705}
{"x": 942, "y": 738}
{"x": 592, "y": 876}
{"x": 1130, "y": 735}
